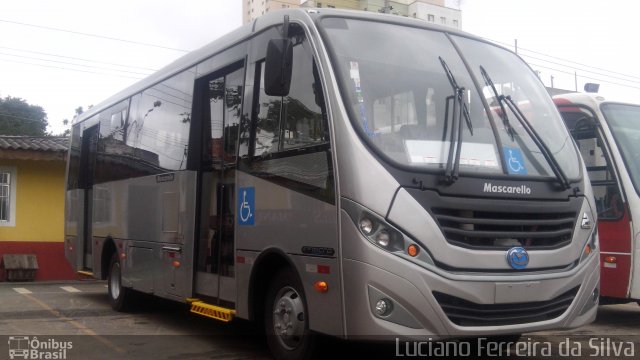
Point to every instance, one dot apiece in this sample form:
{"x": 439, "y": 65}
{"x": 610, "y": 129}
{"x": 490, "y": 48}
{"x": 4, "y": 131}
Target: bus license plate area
{"x": 517, "y": 292}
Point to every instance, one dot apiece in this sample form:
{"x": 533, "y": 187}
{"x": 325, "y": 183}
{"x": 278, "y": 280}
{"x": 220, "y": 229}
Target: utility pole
{"x": 552, "y": 81}
{"x": 516, "y": 45}
{"x": 575, "y": 73}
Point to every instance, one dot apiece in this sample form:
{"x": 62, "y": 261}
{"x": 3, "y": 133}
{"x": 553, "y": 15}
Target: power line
{"x": 92, "y": 35}
{"x": 75, "y": 58}
{"x": 565, "y": 60}
{"x": 582, "y": 70}
{"x": 74, "y": 64}
{"x": 586, "y": 77}
{"x": 72, "y": 69}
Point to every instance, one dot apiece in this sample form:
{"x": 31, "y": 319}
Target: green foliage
{"x": 17, "y": 117}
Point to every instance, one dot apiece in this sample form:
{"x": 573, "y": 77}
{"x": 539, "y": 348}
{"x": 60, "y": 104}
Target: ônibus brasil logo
{"x": 503, "y": 189}
{"x": 25, "y": 347}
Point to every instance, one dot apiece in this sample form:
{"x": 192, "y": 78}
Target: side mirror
{"x": 278, "y": 67}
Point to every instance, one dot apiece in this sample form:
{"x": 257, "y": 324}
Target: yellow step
{"x": 212, "y": 311}
{"x": 85, "y": 273}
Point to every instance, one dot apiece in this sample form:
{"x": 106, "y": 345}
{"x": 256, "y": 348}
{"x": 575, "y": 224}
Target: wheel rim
{"x": 114, "y": 281}
{"x": 289, "y": 318}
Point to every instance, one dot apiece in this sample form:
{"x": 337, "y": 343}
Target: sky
{"x": 62, "y": 70}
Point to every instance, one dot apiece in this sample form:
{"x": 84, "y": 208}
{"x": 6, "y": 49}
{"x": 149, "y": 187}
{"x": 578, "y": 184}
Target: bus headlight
{"x": 366, "y": 226}
{"x": 384, "y": 235}
{"x": 383, "y": 239}
{"x": 380, "y": 233}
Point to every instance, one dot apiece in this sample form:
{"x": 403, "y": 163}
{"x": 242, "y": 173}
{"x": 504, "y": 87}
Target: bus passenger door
{"x": 614, "y": 229}
{"x": 221, "y": 103}
{"x": 88, "y": 152}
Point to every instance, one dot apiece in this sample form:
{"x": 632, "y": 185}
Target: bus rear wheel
{"x": 286, "y": 320}
{"x": 120, "y": 297}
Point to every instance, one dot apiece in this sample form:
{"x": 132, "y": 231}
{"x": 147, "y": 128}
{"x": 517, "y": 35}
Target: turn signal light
{"x": 413, "y": 250}
{"x": 321, "y": 286}
{"x": 610, "y": 259}
{"x": 176, "y": 263}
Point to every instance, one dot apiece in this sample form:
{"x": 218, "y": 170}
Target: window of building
{"x": 415, "y": 15}
{"x": 431, "y": 18}
{"x": 319, "y": 4}
{"x": 7, "y": 196}
{"x": 443, "y": 20}
{"x": 455, "y": 23}
{"x": 331, "y": 6}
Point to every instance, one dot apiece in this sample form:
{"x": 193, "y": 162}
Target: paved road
{"x": 77, "y": 316}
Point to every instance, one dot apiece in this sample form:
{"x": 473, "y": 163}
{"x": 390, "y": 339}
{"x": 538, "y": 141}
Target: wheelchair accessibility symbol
{"x": 515, "y": 161}
{"x": 246, "y": 205}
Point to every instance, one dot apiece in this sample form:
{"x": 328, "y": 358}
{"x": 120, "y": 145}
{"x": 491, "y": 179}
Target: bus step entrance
{"x": 212, "y": 311}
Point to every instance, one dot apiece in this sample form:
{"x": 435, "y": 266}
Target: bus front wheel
{"x": 286, "y": 318}
{"x": 119, "y": 296}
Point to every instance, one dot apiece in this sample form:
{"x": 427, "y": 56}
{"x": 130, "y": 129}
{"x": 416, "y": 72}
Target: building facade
{"x": 32, "y": 190}
{"x": 433, "y": 11}
{"x": 252, "y": 9}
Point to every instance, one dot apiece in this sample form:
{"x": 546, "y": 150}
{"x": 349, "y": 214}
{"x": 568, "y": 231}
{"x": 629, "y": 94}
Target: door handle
{"x": 171, "y": 249}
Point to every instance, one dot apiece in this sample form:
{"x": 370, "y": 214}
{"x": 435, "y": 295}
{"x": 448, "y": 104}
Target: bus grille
{"x": 466, "y": 313}
{"x": 505, "y": 229}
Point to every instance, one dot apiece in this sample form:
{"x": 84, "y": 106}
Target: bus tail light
{"x": 610, "y": 260}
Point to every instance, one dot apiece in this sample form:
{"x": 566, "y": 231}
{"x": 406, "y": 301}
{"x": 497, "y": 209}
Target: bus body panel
{"x": 615, "y": 240}
{"x": 310, "y": 240}
{"x": 413, "y": 286}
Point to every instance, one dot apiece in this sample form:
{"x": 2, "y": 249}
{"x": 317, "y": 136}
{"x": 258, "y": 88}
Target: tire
{"x": 120, "y": 297}
{"x": 286, "y": 321}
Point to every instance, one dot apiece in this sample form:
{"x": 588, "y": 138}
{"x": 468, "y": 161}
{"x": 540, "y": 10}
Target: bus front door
{"x": 614, "y": 228}
{"x": 215, "y": 275}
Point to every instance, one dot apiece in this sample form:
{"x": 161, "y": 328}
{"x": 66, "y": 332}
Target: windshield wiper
{"x": 500, "y": 100}
{"x": 460, "y": 110}
{"x": 533, "y": 134}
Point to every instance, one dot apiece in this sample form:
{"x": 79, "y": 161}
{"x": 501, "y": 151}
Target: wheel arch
{"x": 265, "y": 267}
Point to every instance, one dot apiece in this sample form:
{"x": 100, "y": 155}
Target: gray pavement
{"x": 50, "y": 315}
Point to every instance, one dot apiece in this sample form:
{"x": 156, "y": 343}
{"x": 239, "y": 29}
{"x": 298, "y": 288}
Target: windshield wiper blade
{"x": 460, "y": 109}
{"x": 546, "y": 152}
{"x": 500, "y": 100}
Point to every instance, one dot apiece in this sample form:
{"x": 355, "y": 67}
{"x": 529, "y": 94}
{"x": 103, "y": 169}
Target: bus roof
{"x": 592, "y": 100}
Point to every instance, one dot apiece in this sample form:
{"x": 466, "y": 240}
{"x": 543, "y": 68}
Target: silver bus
{"x": 343, "y": 173}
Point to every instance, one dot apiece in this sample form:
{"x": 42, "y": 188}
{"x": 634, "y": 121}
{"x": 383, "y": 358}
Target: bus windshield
{"x": 411, "y": 96}
{"x": 624, "y": 122}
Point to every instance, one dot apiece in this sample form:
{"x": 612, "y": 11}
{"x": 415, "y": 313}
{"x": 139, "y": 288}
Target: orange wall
{"x": 39, "y": 202}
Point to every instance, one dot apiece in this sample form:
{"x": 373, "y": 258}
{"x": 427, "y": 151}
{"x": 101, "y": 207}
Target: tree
{"x": 67, "y": 123}
{"x": 17, "y": 117}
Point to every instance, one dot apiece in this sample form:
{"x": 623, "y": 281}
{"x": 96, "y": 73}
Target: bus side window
{"x": 298, "y": 119}
{"x": 290, "y": 133}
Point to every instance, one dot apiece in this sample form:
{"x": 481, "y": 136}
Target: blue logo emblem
{"x": 515, "y": 161}
{"x": 246, "y": 205}
{"x": 518, "y": 258}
